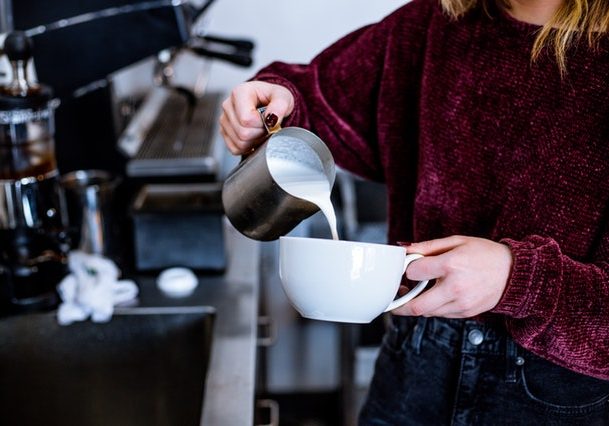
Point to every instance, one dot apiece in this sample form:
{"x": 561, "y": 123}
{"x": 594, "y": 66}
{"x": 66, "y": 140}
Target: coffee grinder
{"x": 33, "y": 223}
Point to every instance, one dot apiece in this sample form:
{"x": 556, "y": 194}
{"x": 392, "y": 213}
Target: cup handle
{"x": 412, "y": 293}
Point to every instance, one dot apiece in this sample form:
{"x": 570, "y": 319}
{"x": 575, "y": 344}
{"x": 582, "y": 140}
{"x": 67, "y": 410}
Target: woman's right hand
{"x": 240, "y": 122}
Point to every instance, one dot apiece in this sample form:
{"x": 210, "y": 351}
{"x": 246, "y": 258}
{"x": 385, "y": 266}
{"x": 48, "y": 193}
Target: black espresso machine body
{"x": 78, "y": 45}
{"x": 33, "y": 240}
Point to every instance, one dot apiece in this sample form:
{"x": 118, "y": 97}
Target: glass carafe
{"x": 33, "y": 242}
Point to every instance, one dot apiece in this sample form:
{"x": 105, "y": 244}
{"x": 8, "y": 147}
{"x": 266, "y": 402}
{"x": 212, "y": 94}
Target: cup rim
{"x": 329, "y": 241}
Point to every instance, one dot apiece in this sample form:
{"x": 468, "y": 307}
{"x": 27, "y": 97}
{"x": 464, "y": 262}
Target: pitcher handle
{"x": 269, "y": 130}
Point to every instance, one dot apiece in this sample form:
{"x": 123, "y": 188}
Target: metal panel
{"x": 145, "y": 367}
{"x": 6, "y": 16}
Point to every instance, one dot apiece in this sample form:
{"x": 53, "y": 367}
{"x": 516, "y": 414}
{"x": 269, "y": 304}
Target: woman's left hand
{"x": 471, "y": 275}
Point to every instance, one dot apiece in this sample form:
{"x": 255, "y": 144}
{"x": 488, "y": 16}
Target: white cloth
{"x": 92, "y": 289}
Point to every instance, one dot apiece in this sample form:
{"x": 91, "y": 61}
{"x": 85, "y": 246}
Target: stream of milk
{"x": 300, "y": 173}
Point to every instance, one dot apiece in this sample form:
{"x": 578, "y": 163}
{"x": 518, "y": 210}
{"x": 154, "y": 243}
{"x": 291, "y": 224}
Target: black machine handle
{"x": 243, "y": 59}
{"x": 233, "y": 50}
{"x": 237, "y": 43}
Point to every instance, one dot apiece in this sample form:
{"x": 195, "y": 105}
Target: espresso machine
{"x": 33, "y": 238}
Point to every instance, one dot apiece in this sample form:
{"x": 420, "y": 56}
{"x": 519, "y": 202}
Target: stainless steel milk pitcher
{"x": 255, "y": 203}
{"x": 90, "y": 209}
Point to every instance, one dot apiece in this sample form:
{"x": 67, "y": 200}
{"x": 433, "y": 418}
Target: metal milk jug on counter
{"x": 33, "y": 242}
{"x": 282, "y": 182}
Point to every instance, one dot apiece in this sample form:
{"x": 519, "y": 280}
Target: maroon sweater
{"x": 472, "y": 138}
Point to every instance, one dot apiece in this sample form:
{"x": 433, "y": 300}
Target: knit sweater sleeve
{"x": 337, "y": 94}
{"x": 558, "y": 307}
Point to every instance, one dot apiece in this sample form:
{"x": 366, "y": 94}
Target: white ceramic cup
{"x": 343, "y": 281}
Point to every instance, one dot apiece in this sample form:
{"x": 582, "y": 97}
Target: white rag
{"x": 92, "y": 289}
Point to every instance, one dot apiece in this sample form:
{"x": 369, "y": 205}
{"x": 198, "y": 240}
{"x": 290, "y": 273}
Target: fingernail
{"x": 271, "y": 120}
{"x": 404, "y": 243}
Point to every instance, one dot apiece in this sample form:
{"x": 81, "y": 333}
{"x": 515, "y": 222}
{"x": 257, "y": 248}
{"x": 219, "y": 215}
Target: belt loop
{"x": 510, "y": 357}
{"x": 417, "y": 334}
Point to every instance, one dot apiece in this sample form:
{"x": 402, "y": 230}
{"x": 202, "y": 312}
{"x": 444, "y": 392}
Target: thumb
{"x": 277, "y": 100}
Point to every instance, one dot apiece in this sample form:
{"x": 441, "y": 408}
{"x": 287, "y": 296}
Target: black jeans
{"x": 464, "y": 372}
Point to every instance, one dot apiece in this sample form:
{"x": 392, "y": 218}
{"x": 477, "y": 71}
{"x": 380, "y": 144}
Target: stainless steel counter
{"x": 230, "y": 384}
{"x": 230, "y": 388}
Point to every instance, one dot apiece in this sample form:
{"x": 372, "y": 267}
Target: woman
{"x": 489, "y": 124}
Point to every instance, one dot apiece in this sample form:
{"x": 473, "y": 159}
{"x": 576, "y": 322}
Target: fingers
{"x": 239, "y": 138}
{"x": 245, "y": 100}
{"x": 277, "y": 99}
{"x": 240, "y": 123}
{"x": 439, "y": 258}
{"x": 440, "y": 301}
{"x": 240, "y": 130}
{"x": 437, "y": 246}
{"x": 427, "y": 302}
{"x": 279, "y": 105}
{"x": 427, "y": 268}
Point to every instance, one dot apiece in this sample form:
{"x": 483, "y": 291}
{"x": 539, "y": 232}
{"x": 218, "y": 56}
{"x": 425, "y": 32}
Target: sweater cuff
{"x": 518, "y": 291}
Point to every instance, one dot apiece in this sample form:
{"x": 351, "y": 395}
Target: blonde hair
{"x": 574, "y": 20}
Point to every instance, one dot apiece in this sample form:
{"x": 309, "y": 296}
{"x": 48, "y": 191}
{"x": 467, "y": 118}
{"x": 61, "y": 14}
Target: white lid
{"x": 177, "y": 282}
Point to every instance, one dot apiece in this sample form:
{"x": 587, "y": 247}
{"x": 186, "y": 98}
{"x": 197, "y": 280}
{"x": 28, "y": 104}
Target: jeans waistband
{"x": 470, "y": 335}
